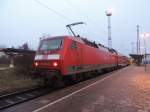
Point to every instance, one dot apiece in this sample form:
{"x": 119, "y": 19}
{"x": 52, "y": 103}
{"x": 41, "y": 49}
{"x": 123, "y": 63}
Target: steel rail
{"x": 14, "y": 98}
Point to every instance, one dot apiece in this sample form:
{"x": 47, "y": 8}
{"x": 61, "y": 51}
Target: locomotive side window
{"x": 73, "y": 45}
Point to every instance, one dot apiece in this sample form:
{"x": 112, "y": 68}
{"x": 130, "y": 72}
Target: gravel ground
{"x": 148, "y": 68}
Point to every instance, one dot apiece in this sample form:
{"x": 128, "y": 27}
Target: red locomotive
{"x": 68, "y": 57}
{"x": 72, "y": 58}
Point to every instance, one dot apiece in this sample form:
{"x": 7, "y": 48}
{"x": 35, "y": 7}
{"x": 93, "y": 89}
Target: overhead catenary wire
{"x": 68, "y": 30}
{"x": 94, "y": 32}
{"x": 63, "y": 16}
{"x": 54, "y": 11}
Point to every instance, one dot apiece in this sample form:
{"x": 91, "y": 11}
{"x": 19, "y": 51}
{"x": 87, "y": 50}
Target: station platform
{"x": 123, "y": 90}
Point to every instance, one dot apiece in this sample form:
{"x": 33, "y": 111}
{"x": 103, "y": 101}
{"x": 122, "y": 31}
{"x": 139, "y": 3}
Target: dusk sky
{"x": 26, "y": 21}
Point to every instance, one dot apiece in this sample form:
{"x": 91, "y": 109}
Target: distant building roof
{"x": 19, "y": 51}
{"x": 137, "y": 58}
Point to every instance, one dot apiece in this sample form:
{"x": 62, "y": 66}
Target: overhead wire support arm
{"x": 73, "y": 24}
{"x": 71, "y": 30}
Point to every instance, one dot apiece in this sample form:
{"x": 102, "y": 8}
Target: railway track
{"x": 11, "y": 99}
{"x": 14, "y": 98}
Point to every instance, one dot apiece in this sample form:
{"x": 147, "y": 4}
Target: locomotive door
{"x": 79, "y": 57}
{"x": 76, "y": 50}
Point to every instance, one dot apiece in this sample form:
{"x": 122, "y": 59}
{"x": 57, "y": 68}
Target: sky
{"x": 26, "y": 21}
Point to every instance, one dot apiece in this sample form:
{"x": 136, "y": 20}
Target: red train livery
{"x": 68, "y": 56}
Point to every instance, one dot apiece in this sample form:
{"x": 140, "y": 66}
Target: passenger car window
{"x": 73, "y": 45}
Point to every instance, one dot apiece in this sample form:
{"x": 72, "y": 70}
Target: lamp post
{"x": 144, "y": 36}
{"x": 109, "y": 14}
{"x": 138, "y": 40}
{"x": 132, "y": 47}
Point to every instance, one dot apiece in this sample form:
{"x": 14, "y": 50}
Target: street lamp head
{"x": 109, "y": 12}
{"x": 142, "y": 35}
{"x": 145, "y": 35}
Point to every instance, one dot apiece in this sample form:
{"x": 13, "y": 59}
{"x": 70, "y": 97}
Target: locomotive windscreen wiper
{"x": 73, "y": 24}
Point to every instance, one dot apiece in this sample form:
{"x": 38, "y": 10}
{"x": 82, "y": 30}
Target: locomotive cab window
{"x": 51, "y": 44}
{"x": 73, "y": 45}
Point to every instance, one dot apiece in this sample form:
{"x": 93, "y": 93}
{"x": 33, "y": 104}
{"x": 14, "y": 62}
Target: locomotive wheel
{"x": 59, "y": 82}
{"x": 54, "y": 80}
{"x": 80, "y": 77}
{"x": 69, "y": 80}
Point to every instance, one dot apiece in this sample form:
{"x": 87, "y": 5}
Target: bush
{"x": 23, "y": 64}
{"x": 4, "y": 59}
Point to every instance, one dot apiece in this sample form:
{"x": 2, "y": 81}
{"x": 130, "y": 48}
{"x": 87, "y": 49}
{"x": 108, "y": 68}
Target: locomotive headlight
{"x": 55, "y": 64}
{"x": 36, "y": 63}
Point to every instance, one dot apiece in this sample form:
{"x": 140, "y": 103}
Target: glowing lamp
{"x": 36, "y": 63}
{"x": 109, "y": 12}
{"x": 55, "y": 64}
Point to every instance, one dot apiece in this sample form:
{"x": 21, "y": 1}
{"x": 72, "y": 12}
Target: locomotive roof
{"x": 93, "y": 44}
{"x": 78, "y": 39}
{"x": 53, "y": 37}
{"x": 71, "y": 37}
{"x": 85, "y": 41}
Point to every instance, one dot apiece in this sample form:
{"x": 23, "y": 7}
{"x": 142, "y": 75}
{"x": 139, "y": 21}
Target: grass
{"x": 4, "y": 65}
{"x": 9, "y": 80}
